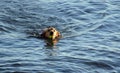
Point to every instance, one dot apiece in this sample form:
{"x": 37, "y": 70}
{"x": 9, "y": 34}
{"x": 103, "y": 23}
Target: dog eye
{"x": 53, "y": 30}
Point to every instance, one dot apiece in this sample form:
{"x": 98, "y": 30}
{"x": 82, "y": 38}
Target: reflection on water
{"x": 51, "y": 50}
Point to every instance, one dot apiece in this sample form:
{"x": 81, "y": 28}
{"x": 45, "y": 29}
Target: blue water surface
{"x": 90, "y": 30}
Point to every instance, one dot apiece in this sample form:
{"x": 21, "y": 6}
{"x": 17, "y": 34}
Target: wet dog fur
{"x": 51, "y": 36}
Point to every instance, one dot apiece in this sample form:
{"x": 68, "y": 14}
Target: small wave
{"x": 99, "y": 65}
{"x": 6, "y": 28}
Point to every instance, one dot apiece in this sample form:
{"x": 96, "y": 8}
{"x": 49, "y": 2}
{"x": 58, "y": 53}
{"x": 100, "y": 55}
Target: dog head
{"x": 50, "y": 33}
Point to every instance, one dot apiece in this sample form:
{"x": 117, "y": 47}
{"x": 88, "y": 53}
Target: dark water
{"x": 90, "y": 43}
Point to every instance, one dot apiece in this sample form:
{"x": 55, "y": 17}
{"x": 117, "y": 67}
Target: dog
{"x": 51, "y": 36}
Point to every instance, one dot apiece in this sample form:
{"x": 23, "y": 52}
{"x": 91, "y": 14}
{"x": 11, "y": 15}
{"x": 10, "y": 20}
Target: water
{"x": 90, "y": 43}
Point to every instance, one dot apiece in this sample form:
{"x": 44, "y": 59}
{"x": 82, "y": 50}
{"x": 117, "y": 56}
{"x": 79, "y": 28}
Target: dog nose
{"x": 51, "y": 33}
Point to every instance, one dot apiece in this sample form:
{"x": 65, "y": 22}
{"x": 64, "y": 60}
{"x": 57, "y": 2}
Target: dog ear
{"x": 59, "y": 35}
{"x": 42, "y": 35}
